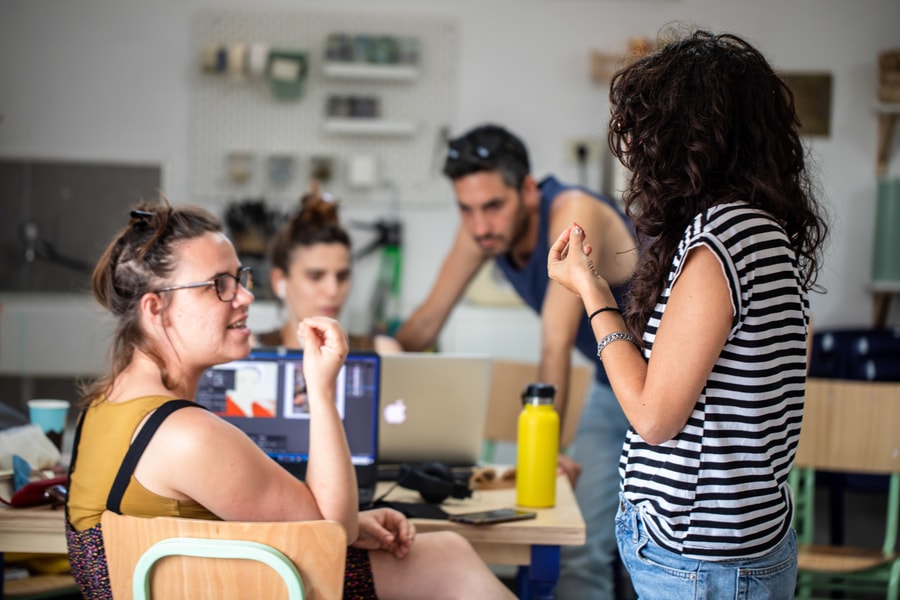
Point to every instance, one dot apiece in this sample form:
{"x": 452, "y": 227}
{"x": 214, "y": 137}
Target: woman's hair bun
{"x": 317, "y": 208}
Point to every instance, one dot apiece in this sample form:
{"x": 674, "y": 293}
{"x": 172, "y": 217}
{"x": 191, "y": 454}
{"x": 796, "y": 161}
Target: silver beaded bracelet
{"x": 614, "y": 337}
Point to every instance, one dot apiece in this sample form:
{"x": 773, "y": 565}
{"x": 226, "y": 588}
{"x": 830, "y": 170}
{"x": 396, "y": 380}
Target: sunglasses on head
{"x": 480, "y": 150}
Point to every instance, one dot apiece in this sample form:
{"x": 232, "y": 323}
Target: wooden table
{"x": 534, "y": 544}
{"x": 33, "y": 529}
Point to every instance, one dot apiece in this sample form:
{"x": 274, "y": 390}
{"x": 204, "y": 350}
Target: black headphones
{"x": 434, "y": 481}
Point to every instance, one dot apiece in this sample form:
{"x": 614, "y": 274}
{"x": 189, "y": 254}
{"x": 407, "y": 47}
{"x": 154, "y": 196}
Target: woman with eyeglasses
{"x": 174, "y": 283}
{"x": 311, "y": 272}
{"x": 709, "y": 362}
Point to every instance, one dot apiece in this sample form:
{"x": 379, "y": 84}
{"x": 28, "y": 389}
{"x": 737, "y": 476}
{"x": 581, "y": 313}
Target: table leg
{"x": 538, "y": 581}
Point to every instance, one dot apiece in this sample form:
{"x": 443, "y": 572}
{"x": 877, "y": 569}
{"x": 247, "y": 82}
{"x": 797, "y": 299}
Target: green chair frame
{"x": 206, "y": 548}
{"x": 815, "y": 585}
{"x": 848, "y": 427}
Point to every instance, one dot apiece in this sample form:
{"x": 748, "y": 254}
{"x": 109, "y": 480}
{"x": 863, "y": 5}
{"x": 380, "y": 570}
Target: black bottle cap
{"x": 540, "y": 393}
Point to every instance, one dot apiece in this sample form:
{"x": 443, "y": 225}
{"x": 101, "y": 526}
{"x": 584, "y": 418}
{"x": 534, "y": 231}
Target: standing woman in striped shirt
{"x": 709, "y": 361}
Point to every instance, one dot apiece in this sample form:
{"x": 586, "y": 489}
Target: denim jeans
{"x": 658, "y": 574}
{"x": 586, "y": 572}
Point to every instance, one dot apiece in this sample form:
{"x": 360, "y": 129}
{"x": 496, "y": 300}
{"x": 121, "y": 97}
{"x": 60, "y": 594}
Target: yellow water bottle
{"x": 537, "y": 447}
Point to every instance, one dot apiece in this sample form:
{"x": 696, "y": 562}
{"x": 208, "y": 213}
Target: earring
{"x": 281, "y": 289}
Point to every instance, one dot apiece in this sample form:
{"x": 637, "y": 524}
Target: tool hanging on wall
{"x": 251, "y": 224}
{"x": 385, "y": 303}
{"x": 38, "y": 248}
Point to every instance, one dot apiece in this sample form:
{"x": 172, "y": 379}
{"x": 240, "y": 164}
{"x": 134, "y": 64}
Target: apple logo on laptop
{"x": 395, "y": 412}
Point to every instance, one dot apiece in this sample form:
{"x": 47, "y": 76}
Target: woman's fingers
{"x": 557, "y": 250}
{"x": 324, "y": 332}
{"x": 325, "y": 348}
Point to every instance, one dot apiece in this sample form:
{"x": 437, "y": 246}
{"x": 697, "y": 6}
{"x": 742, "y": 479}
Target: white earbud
{"x": 281, "y": 289}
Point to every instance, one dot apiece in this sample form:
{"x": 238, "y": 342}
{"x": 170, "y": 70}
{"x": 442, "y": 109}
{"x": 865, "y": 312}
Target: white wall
{"x": 110, "y": 79}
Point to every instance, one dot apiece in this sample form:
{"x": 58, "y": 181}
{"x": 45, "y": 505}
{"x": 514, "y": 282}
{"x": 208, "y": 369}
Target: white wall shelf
{"x": 369, "y": 127}
{"x": 376, "y": 72}
{"x": 417, "y": 102}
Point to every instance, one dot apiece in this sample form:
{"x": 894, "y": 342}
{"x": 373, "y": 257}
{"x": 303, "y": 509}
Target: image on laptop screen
{"x": 264, "y": 395}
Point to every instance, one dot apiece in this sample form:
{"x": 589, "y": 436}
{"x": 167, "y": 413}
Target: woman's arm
{"x": 330, "y": 475}
{"x": 656, "y": 396}
{"x": 421, "y": 329}
{"x": 198, "y": 456}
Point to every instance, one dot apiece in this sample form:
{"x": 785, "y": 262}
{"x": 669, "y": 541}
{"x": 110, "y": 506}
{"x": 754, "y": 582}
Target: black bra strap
{"x": 114, "y": 501}
{"x": 75, "y": 442}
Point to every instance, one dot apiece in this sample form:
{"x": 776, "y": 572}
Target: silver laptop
{"x": 433, "y": 407}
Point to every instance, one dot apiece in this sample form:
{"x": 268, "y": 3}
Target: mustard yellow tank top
{"x": 106, "y": 434}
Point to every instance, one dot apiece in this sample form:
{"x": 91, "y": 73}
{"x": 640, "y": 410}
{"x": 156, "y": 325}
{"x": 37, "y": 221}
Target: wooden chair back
{"x": 316, "y": 548}
{"x": 509, "y": 378}
{"x": 851, "y": 426}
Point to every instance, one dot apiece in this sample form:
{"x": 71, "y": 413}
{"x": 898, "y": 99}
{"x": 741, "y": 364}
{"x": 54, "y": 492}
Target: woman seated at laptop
{"x": 311, "y": 271}
{"x": 181, "y": 297}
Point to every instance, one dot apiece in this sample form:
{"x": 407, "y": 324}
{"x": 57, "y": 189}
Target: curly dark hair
{"x": 139, "y": 260}
{"x": 315, "y": 222}
{"x": 701, "y": 121}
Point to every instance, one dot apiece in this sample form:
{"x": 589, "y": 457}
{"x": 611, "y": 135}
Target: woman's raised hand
{"x": 569, "y": 262}
{"x": 324, "y": 350}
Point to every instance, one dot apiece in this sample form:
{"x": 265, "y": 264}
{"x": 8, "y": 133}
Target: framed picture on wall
{"x": 812, "y": 98}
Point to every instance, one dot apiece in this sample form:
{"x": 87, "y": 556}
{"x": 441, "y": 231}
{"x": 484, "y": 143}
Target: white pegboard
{"x": 230, "y": 114}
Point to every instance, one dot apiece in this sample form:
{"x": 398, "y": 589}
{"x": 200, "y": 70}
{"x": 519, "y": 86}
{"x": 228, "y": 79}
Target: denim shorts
{"x": 659, "y": 574}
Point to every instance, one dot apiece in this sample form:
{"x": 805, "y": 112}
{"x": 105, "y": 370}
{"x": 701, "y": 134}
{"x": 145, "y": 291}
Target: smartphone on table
{"x": 488, "y": 517}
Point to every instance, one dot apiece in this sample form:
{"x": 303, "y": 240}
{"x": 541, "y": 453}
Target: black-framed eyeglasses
{"x": 226, "y": 284}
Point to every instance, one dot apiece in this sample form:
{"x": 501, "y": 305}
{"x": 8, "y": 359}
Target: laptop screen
{"x": 264, "y": 395}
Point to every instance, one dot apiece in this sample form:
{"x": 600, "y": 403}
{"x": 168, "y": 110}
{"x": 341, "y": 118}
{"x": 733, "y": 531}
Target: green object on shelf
{"x": 287, "y": 71}
{"x": 886, "y": 252}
